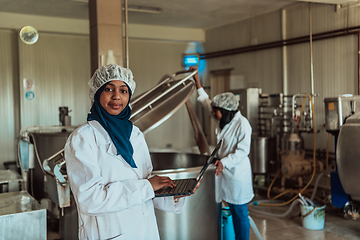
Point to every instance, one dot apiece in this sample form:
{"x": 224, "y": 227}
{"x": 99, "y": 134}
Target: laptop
{"x": 187, "y": 185}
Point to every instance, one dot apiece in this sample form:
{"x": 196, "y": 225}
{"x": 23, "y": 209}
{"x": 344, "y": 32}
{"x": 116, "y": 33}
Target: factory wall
{"x": 287, "y": 70}
{"x": 38, "y": 79}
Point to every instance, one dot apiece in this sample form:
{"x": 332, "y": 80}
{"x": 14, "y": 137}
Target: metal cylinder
{"x": 263, "y": 151}
{"x": 292, "y": 141}
{"x": 63, "y": 112}
{"x": 198, "y": 219}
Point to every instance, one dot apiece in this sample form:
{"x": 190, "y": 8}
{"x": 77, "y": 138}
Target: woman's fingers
{"x": 158, "y": 182}
{"x": 219, "y": 168}
{"x": 197, "y": 186}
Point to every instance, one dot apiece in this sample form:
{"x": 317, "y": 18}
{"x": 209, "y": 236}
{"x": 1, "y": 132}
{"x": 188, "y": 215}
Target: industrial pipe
{"x": 311, "y": 54}
{"x": 281, "y": 43}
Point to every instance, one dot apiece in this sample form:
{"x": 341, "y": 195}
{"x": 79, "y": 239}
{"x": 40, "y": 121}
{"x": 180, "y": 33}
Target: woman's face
{"x": 115, "y": 97}
{"x": 216, "y": 113}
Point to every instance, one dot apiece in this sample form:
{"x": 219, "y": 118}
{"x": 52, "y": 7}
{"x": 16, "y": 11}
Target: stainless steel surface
{"x": 21, "y": 217}
{"x": 337, "y": 109}
{"x": 198, "y": 220}
{"x": 55, "y": 169}
{"x": 47, "y": 146}
{"x": 249, "y": 105}
{"x": 263, "y": 152}
{"x": 10, "y": 181}
{"x": 311, "y": 54}
{"x": 347, "y": 156}
{"x": 272, "y": 100}
{"x": 153, "y": 107}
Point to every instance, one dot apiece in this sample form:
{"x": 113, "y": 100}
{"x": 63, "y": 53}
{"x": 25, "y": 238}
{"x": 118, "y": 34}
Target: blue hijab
{"x": 118, "y": 127}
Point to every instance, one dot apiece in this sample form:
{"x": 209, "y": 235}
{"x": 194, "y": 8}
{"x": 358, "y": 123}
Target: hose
{"x": 273, "y": 214}
{"x": 314, "y": 167}
{"x": 292, "y": 204}
{"x": 256, "y": 230}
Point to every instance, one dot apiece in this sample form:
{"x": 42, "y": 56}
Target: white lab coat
{"x": 234, "y": 185}
{"x": 114, "y": 200}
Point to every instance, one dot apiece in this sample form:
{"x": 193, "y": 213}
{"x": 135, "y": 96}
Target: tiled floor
{"x": 290, "y": 227}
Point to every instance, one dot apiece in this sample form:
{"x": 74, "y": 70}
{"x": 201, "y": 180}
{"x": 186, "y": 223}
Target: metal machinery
{"x": 276, "y": 143}
{"x": 343, "y": 121}
{"x": 294, "y": 165}
{"x": 42, "y": 169}
{"x": 265, "y": 143}
{"x": 45, "y": 168}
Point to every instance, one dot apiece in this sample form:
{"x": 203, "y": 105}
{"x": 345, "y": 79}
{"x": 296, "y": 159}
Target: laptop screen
{"x": 208, "y": 162}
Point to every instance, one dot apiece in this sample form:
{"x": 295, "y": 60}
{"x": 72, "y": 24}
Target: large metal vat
{"x": 263, "y": 153}
{"x": 347, "y": 156}
{"x": 198, "y": 220}
{"x": 43, "y": 186}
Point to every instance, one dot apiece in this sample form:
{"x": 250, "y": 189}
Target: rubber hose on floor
{"x": 277, "y": 215}
{"x": 256, "y": 230}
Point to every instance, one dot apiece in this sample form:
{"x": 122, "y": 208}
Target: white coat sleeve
{"x": 243, "y": 137}
{"x": 95, "y": 198}
{"x": 203, "y": 98}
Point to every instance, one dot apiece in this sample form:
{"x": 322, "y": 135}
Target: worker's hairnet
{"x": 109, "y": 73}
{"x": 227, "y": 101}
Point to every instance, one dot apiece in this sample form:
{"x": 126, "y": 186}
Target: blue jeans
{"x": 240, "y": 216}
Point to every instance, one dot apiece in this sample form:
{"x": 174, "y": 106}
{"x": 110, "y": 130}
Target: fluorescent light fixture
{"x": 143, "y": 9}
{"x": 132, "y": 8}
{"x": 190, "y": 60}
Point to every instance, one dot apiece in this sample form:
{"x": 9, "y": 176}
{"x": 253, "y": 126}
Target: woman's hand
{"x": 196, "y": 78}
{"x": 160, "y": 182}
{"x": 219, "y": 167}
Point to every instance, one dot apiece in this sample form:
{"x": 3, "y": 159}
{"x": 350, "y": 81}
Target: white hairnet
{"x": 227, "y": 101}
{"x": 109, "y": 73}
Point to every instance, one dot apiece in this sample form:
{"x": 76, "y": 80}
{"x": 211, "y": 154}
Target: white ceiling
{"x": 176, "y": 13}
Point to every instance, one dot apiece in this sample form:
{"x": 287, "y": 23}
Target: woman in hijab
{"x": 109, "y": 166}
{"x": 233, "y": 170}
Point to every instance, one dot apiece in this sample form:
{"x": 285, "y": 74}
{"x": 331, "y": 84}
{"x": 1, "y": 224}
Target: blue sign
{"x": 29, "y": 95}
{"x": 190, "y": 60}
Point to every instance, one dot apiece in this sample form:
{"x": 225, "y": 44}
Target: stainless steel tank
{"x": 198, "y": 219}
{"x": 46, "y": 144}
{"x": 263, "y": 153}
{"x": 347, "y": 156}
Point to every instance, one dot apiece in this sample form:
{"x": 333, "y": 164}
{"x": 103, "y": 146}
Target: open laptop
{"x": 187, "y": 185}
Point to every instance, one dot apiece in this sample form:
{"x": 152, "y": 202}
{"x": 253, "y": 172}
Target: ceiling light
{"x": 143, "y": 9}
{"x": 132, "y": 8}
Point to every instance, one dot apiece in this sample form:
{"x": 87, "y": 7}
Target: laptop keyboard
{"x": 181, "y": 186}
